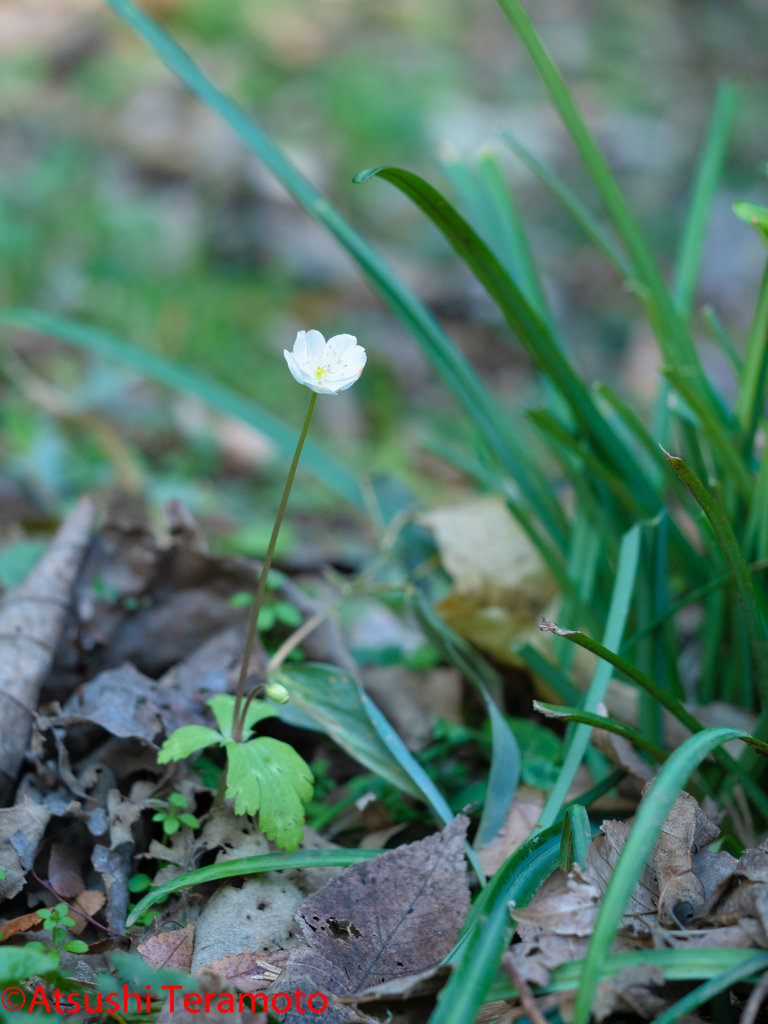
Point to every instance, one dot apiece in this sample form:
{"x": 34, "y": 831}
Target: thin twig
{"x": 755, "y": 1001}
{"x": 295, "y": 639}
{"x": 523, "y": 989}
{"x": 80, "y": 913}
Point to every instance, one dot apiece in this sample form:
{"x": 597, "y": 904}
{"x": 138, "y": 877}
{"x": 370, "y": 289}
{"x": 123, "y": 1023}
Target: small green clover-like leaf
{"x": 190, "y": 820}
{"x": 185, "y": 741}
{"x": 177, "y": 800}
{"x": 287, "y": 613}
{"x": 160, "y": 816}
{"x": 242, "y": 599}
{"x": 268, "y": 776}
{"x": 139, "y": 883}
{"x": 68, "y": 921}
{"x": 76, "y": 946}
{"x": 62, "y": 908}
{"x": 171, "y": 826}
{"x": 45, "y": 914}
{"x": 223, "y": 707}
{"x": 266, "y": 619}
{"x": 2, "y": 875}
{"x": 49, "y": 924}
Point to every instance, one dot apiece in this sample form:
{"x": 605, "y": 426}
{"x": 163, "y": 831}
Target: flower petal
{"x": 300, "y": 347}
{"x": 297, "y": 371}
{"x": 315, "y": 347}
{"x": 341, "y": 342}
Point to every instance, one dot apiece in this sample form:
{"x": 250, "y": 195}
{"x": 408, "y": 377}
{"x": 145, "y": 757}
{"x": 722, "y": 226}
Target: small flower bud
{"x": 278, "y": 693}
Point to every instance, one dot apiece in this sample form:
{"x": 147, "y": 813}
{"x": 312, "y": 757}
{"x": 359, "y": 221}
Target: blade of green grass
{"x": 621, "y": 599}
{"x": 708, "y": 172}
{"x": 667, "y": 700}
{"x": 738, "y": 568}
{"x": 532, "y": 331}
{"x": 241, "y": 866}
{"x": 673, "y": 338}
{"x": 752, "y": 382}
{"x": 723, "y": 339}
{"x": 720, "y": 983}
{"x": 217, "y": 396}
{"x": 437, "y": 347}
{"x": 714, "y": 430}
{"x": 505, "y": 753}
{"x": 756, "y": 533}
{"x": 599, "y": 722}
{"x": 576, "y": 837}
{"x": 679, "y": 964}
{"x": 650, "y": 817}
{"x": 578, "y": 210}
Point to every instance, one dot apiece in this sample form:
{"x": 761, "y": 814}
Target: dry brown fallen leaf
{"x": 250, "y": 972}
{"x": 89, "y": 902}
{"x": 391, "y": 917}
{"x": 742, "y": 897}
{"x": 170, "y": 949}
{"x": 26, "y": 923}
{"x": 522, "y": 816}
{"x": 64, "y": 871}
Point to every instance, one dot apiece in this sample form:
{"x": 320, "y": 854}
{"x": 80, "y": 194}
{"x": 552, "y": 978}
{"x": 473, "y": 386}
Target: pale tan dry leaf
{"x": 535, "y": 959}
{"x": 744, "y": 895}
{"x": 26, "y": 923}
{"x": 21, "y": 829}
{"x": 569, "y": 910}
{"x": 90, "y": 902}
{"x": 411, "y": 987}
{"x": 522, "y": 816}
{"x": 249, "y": 972}
{"x": 732, "y": 937}
{"x": 122, "y": 813}
{"x": 172, "y": 950}
{"x": 501, "y": 584}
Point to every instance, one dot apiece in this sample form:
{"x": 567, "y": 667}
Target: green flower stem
{"x": 239, "y": 719}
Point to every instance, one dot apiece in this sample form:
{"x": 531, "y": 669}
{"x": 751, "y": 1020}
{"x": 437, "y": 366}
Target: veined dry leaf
{"x": 90, "y": 902}
{"x": 569, "y": 910}
{"x": 686, "y": 830}
{"x": 744, "y": 895}
{"x": 411, "y": 987}
{"x": 250, "y": 972}
{"x": 123, "y": 813}
{"x": 21, "y": 829}
{"x": 388, "y": 918}
{"x": 501, "y": 584}
{"x": 26, "y": 923}
{"x": 170, "y": 949}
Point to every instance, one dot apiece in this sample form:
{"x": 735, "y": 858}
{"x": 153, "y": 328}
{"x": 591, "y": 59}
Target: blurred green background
{"x": 125, "y": 204}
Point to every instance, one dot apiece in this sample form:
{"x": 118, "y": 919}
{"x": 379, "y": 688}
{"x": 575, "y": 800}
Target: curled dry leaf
{"x": 681, "y": 894}
{"x": 172, "y": 950}
{"x": 631, "y": 989}
{"x": 21, "y": 829}
{"x": 742, "y": 897}
{"x": 64, "y": 871}
{"x": 26, "y": 923}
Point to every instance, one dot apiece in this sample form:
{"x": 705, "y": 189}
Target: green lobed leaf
{"x": 241, "y": 867}
{"x": 185, "y": 741}
{"x": 223, "y": 707}
{"x": 17, "y": 963}
{"x": 269, "y": 777}
{"x": 649, "y": 819}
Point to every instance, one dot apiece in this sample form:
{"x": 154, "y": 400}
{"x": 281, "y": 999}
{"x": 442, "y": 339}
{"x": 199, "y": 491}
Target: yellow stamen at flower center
{"x": 321, "y": 373}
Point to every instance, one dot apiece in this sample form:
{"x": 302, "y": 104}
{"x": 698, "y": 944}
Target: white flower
{"x": 326, "y": 367}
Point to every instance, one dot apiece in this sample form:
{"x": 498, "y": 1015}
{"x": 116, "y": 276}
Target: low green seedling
{"x": 56, "y": 922}
{"x": 264, "y": 775}
{"x": 174, "y": 815}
